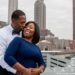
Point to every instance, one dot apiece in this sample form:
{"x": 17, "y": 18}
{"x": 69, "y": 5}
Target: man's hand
{"x": 19, "y": 73}
{"x": 24, "y": 72}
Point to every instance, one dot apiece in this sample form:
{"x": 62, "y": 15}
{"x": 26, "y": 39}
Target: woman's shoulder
{"x": 37, "y": 46}
{"x": 17, "y": 39}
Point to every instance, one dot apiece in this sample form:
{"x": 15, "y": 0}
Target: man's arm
{"x": 3, "y": 46}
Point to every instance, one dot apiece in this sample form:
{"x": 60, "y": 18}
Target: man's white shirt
{"x": 5, "y": 38}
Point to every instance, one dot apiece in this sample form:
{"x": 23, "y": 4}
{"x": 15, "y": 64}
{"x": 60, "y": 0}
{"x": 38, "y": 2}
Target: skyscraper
{"x": 73, "y": 19}
{"x": 13, "y": 5}
{"x": 40, "y": 13}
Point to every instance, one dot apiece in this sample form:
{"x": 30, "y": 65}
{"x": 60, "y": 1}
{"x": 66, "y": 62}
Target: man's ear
{"x": 13, "y": 20}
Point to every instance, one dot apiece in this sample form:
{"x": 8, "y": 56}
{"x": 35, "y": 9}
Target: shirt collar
{"x": 10, "y": 28}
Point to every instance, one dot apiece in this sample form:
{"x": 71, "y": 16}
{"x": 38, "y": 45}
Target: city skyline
{"x": 40, "y": 13}
{"x": 58, "y": 19}
{"x": 73, "y": 19}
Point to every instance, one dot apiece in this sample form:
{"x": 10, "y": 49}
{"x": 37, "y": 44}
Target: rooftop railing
{"x": 59, "y": 62}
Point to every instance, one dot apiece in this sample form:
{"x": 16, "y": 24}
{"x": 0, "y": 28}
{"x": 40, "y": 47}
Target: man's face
{"x": 20, "y": 23}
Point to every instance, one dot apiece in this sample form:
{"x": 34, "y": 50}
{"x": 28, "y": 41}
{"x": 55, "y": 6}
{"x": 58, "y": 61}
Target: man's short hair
{"x": 17, "y": 13}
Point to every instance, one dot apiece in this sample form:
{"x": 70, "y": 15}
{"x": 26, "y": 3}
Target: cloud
{"x": 4, "y": 14}
{"x": 3, "y": 10}
{"x": 59, "y": 17}
{"x": 28, "y": 7}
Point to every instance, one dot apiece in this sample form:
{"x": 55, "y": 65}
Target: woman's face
{"x": 29, "y": 30}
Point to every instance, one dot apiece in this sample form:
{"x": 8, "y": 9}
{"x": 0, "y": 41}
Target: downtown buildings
{"x": 73, "y": 19}
{"x": 40, "y": 13}
{"x": 40, "y": 17}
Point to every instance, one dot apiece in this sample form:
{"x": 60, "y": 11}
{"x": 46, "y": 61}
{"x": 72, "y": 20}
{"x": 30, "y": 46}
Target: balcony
{"x": 59, "y": 62}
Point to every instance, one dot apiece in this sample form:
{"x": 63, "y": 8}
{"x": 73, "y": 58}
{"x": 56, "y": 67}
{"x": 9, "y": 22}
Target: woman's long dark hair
{"x": 36, "y": 36}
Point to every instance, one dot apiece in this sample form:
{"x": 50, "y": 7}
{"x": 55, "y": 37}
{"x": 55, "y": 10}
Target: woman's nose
{"x": 27, "y": 28}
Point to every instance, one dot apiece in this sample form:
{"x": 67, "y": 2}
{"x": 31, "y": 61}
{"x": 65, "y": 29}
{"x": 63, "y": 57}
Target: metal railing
{"x": 59, "y": 62}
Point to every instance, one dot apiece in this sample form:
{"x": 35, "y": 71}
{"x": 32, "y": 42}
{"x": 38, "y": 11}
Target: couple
{"x": 21, "y": 53}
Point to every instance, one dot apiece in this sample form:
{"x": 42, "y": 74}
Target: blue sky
{"x": 58, "y": 15}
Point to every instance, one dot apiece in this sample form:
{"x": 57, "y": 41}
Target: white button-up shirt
{"x": 5, "y": 38}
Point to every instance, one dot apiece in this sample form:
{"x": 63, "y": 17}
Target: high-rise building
{"x": 13, "y": 5}
{"x": 73, "y": 19}
{"x": 2, "y": 24}
{"x": 40, "y": 13}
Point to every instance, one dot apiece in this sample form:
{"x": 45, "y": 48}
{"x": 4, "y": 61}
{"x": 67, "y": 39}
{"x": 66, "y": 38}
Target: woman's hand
{"x": 35, "y": 71}
{"x": 38, "y": 70}
{"x": 25, "y": 71}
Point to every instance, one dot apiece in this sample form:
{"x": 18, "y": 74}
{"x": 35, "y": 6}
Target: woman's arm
{"x": 41, "y": 64}
{"x": 21, "y": 69}
{"x": 11, "y": 51}
{"x": 10, "y": 56}
{"x": 40, "y": 61}
{"x": 38, "y": 70}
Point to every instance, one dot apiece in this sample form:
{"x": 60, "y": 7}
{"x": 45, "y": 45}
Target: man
{"x": 7, "y": 34}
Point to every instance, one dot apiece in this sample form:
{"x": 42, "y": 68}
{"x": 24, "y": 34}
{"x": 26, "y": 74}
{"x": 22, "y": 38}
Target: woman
{"x": 23, "y": 55}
